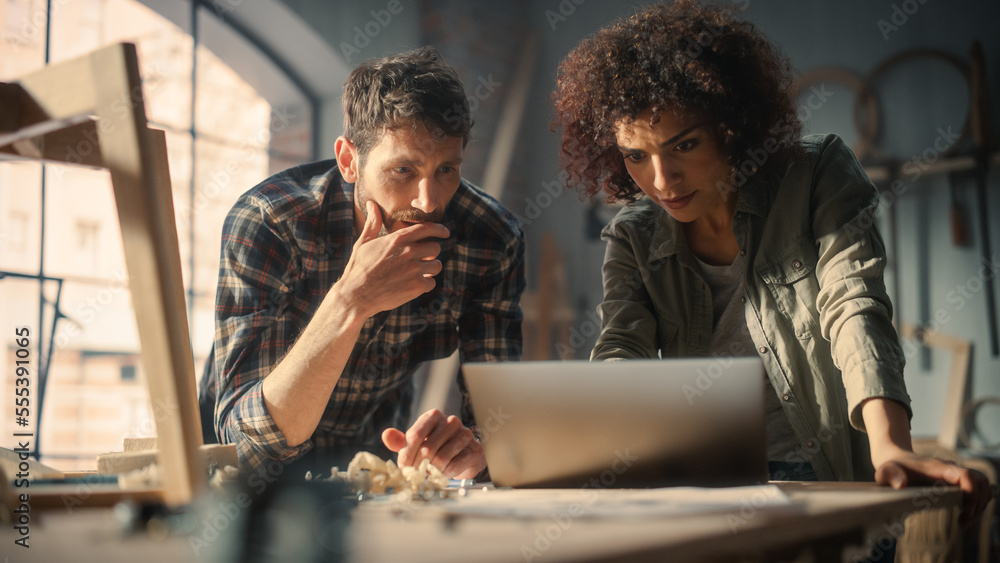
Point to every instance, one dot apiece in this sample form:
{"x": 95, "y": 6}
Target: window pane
{"x": 286, "y": 131}
{"x": 223, "y": 172}
{"x": 291, "y": 136}
{"x": 22, "y": 49}
{"x": 251, "y": 122}
{"x": 20, "y": 198}
{"x": 227, "y": 107}
{"x": 77, "y": 196}
{"x": 86, "y": 403}
{"x": 18, "y": 308}
{"x": 81, "y": 26}
{"x": 179, "y": 154}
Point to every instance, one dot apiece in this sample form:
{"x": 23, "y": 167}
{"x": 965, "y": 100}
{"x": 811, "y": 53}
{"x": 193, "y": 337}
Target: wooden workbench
{"x": 827, "y": 518}
{"x": 822, "y": 518}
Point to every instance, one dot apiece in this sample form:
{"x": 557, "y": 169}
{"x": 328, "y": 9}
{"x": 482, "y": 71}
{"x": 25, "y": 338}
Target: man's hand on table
{"x": 911, "y": 469}
{"x": 449, "y": 445}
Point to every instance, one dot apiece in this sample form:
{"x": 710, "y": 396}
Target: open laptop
{"x": 633, "y": 423}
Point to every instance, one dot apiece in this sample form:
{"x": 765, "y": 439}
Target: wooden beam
{"x": 73, "y": 142}
{"x": 961, "y": 354}
{"x": 10, "y": 463}
{"x": 39, "y": 129}
{"x": 505, "y": 140}
{"x": 136, "y": 158}
{"x": 49, "y": 114}
{"x": 67, "y": 89}
{"x": 139, "y": 444}
{"x": 18, "y": 109}
{"x": 10, "y": 102}
{"x": 207, "y": 455}
{"x": 880, "y": 173}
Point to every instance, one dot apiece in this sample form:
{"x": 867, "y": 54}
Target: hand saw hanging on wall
{"x": 983, "y": 143}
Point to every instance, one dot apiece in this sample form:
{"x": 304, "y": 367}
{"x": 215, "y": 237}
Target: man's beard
{"x": 410, "y": 215}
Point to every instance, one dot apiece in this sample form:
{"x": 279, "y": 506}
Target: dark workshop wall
{"x": 919, "y": 102}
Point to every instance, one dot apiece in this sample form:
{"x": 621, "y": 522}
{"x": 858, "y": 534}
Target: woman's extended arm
{"x": 896, "y": 465}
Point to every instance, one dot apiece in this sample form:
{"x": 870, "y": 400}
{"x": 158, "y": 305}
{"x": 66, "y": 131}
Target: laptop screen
{"x": 634, "y": 423}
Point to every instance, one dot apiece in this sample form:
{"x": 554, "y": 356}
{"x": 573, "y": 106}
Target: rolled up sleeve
{"x": 254, "y": 328}
{"x": 854, "y": 307}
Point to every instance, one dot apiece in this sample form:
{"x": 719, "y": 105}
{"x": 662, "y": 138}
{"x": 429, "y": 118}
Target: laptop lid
{"x": 634, "y": 423}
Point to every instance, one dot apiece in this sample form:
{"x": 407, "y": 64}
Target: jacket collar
{"x": 754, "y": 197}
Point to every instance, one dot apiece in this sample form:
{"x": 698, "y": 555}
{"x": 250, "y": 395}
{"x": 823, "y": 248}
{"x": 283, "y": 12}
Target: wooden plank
{"x": 940, "y": 166}
{"x": 139, "y": 444}
{"x": 28, "y": 148}
{"x": 123, "y": 462}
{"x": 424, "y": 532}
{"x": 548, "y": 307}
{"x": 505, "y": 140}
{"x": 41, "y": 129}
{"x": 547, "y": 266}
{"x": 70, "y": 141}
{"x": 931, "y": 535}
{"x": 66, "y": 89}
{"x": 10, "y": 107}
{"x": 49, "y": 114}
{"x": 136, "y": 158}
{"x": 76, "y": 144}
{"x": 80, "y": 493}
{"x": 822, "y": 512}
{"x": 951, "y": 418}
{"x": 988, "y": 468}
{"x": 18, "y": 109}
{"x": 69, "y": 497}
{"x": 10, "y": 463}
{"x": 961, "y": 354}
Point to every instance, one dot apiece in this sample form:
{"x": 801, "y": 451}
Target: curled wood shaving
{"x": 369, "y": 473}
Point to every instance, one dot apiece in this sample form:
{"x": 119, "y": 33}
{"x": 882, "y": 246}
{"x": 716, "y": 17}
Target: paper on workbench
{"x": 618, "y": 503}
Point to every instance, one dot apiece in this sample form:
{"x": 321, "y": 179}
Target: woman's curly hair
{"x": 681, "y": 57}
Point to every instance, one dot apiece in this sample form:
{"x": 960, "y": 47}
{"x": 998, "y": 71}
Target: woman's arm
{"x": 628, "y": 325}
{"x": 855, "y": 314}
{"x": 896, "y": 465}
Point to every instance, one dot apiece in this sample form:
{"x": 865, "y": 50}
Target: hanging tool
{"x": 869, "y": 134}
{"x": 959, "y": 228}
{"x": 923, "y": 260}
{"x": 892, "y": 173}
{"x": 982, "y": 139}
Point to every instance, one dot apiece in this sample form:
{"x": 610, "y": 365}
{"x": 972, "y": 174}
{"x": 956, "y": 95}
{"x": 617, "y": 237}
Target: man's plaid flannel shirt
{"x": 285, "y": 243}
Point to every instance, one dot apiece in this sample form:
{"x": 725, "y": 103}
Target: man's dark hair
{"x": 682, "y": 57}
{"x": 408, "y": 89}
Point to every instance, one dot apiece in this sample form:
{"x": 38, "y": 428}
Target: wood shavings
{"x": 148, "y": 476}
{"x": 368, "y": 473}
{"x": 221, "y": 476}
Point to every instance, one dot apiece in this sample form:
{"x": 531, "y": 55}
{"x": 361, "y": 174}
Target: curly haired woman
{"x": 749, "y": 241}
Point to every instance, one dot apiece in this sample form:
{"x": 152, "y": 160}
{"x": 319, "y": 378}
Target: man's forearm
{"x": 297, "y": 391}
{"x": 888, "y": 429}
